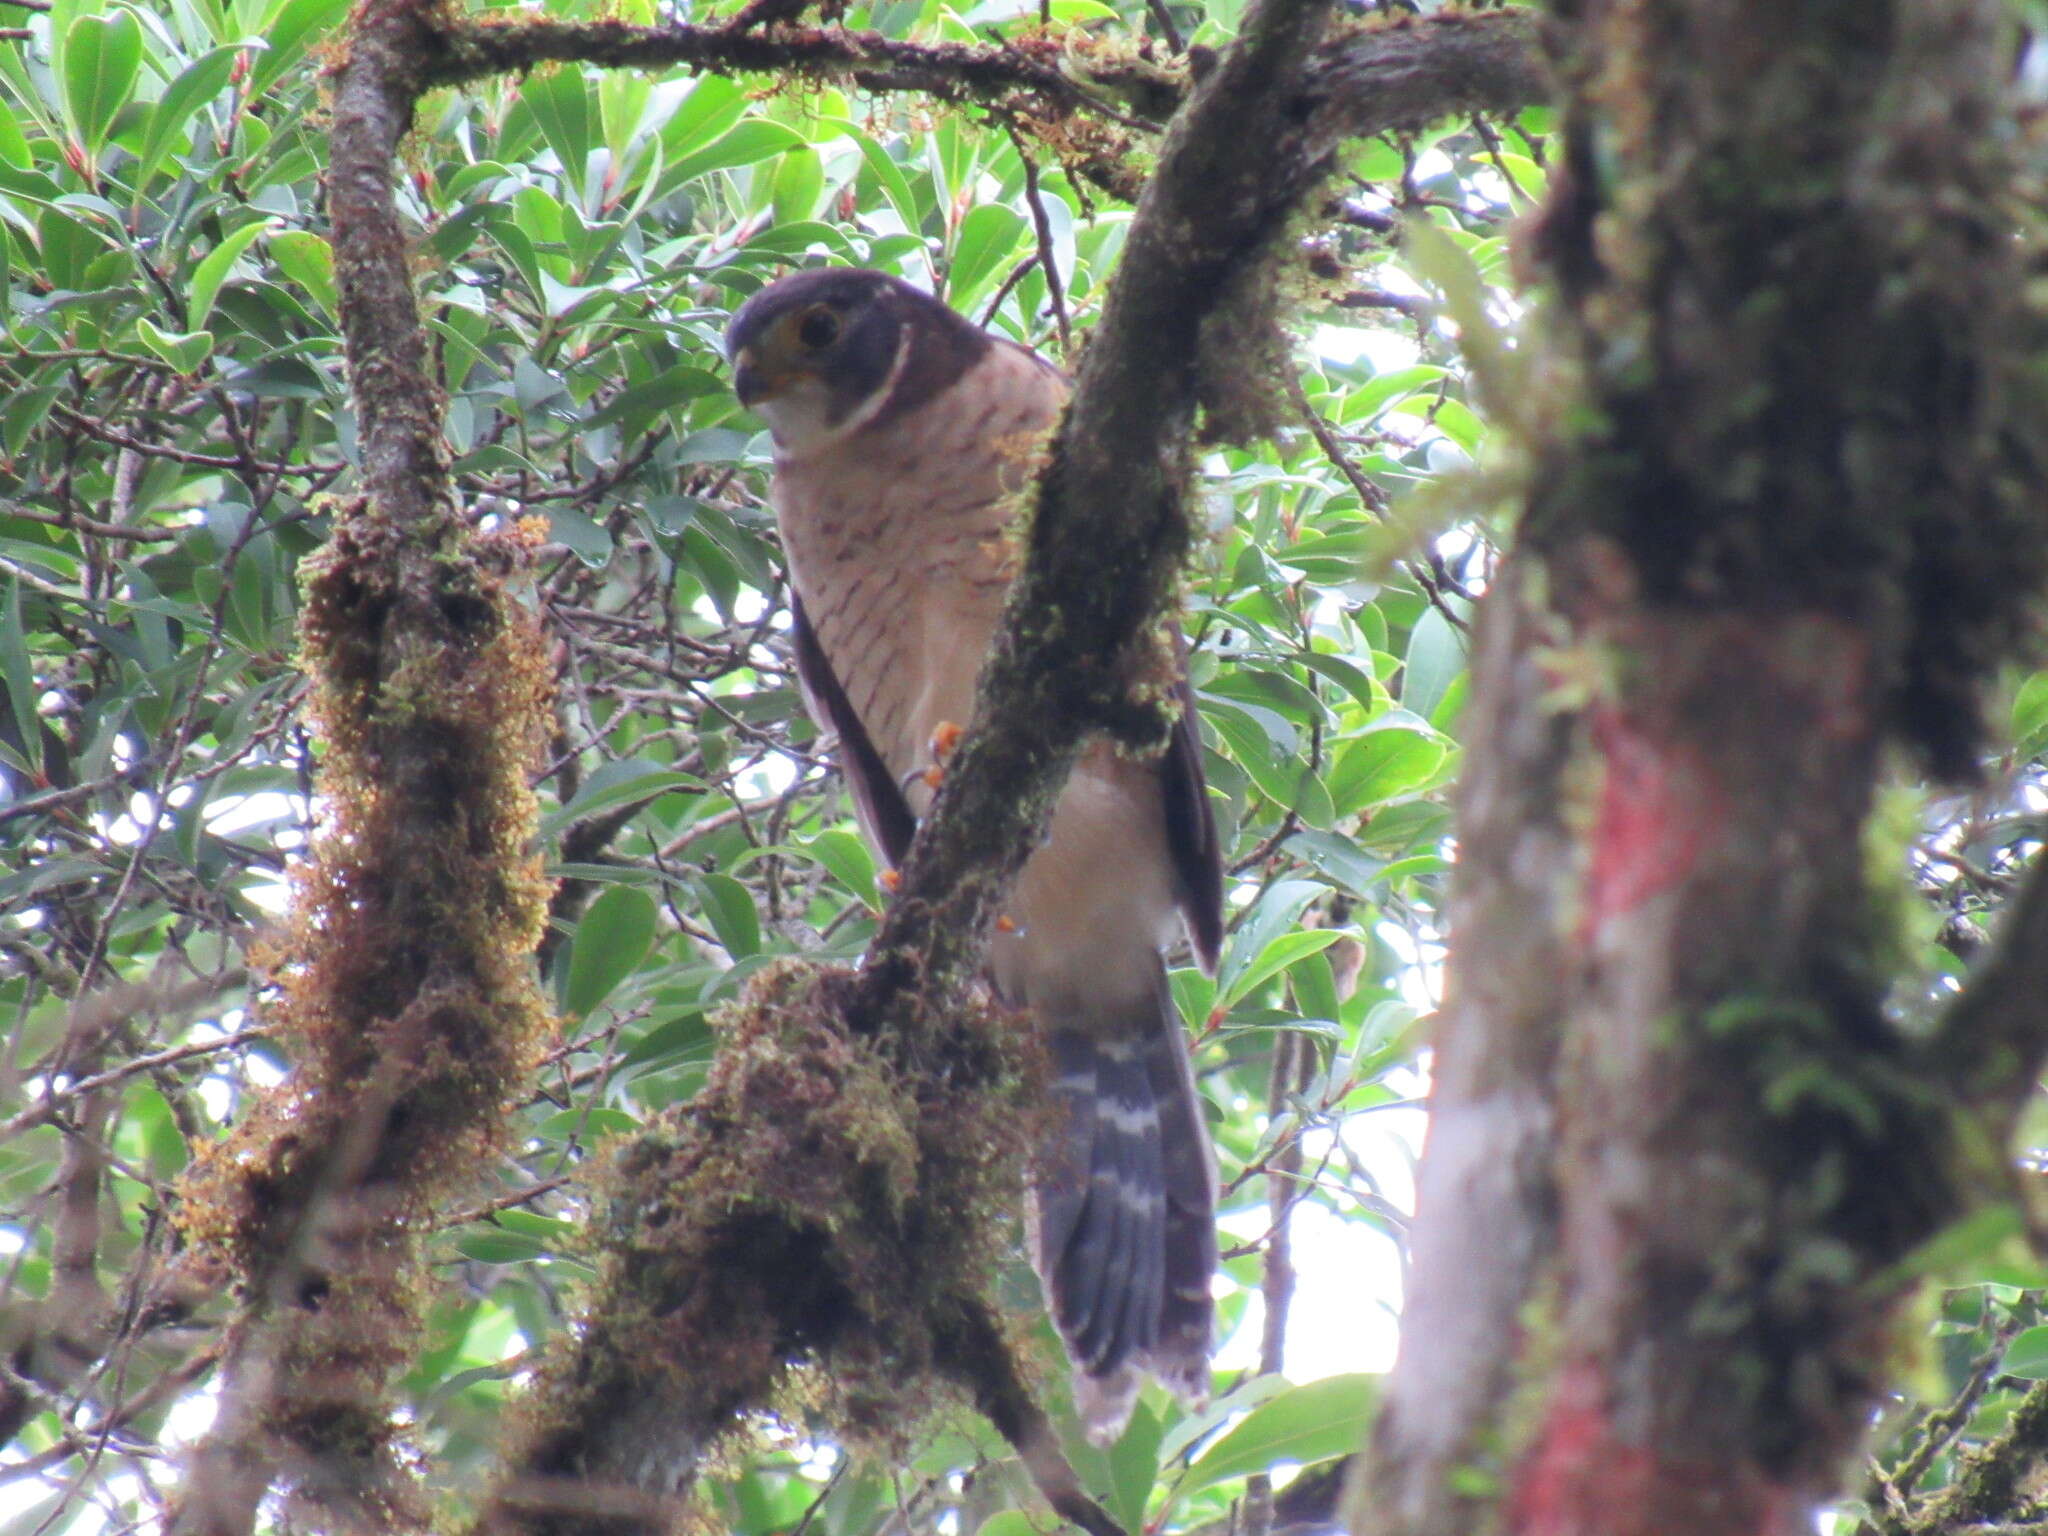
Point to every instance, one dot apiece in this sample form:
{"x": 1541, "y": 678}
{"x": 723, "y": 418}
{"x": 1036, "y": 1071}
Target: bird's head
{"x": 821, "y": 354}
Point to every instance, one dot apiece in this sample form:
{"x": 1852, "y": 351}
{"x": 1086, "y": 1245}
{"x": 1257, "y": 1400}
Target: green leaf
{"x": 560, "y": 103}
{"x": 286, "y": 32}
{"x": 1355, "y": 680}
{"x": 1375, "y": 160}
{"x": 2030, "y": 716}
{"x": 1338, "y": 857}
{"x": 14, "y": 150}
{"x": 213, "y": 269}
{"x": 1386, "y": 390}
{"x": 1972, "y": 1240}
{"x": 584, "y": 1122}
{"x": 896, "y": 18}
{"x": 850, "y": 861}
{"x": 1436, "y": 655}
{"x": 621, "y": 782}
{"x": 1330, "y": 560}
{"x": 2027, "y": 1357}
{"x": 1134, "y": 1467}
{"x": 622, "y": 100}
{"x": 198, "y": 83}
{"x": 584, "y": 535}
{"x": 1315, "y": 987}
{"x": 183, "y": 350}
{"x": 986, "y": 242}
{"x": 1276, "y": 957}
{"x": 1264, "y": 744}
{"x": 1194, "y": 995}
{"x": 154, "y": 1129}
{"x": 69, "y": 249}
{"x": 494, "y": 1245}
{"x": 634, "y": 408}
{"x": 1457, "y": 421}
{"x": 730, "y": 908}
{"x": 798, "y": 185}
{"x": 1302, "y": 1426}
{"x": 102, "y": 56}
{"x": 684, "y": 1037}
{"x": 17, "y": 675}
{"x": 611, "y": 940}
{"x": 713, "y": 106}
{"x": 1381, "y": 765}
{"x": 1408, "y": 827}
{"x": 887, "y": 173}
{"x": 1278, "y": 910}
{"x": 747, "y": 143}
{"x": 308, "y": 260}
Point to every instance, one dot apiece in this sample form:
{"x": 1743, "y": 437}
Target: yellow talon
{"x": 889, "y": 880}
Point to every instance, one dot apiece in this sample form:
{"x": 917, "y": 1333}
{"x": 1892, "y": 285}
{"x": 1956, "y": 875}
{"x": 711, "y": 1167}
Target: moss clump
{"x": 817, "y": 1203}
{"x": 403, "y": 984}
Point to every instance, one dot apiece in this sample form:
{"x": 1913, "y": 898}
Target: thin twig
{"x": 1041, "y": 223}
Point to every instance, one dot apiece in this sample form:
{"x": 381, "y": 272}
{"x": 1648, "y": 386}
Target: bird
{"x": 904, "y": 436}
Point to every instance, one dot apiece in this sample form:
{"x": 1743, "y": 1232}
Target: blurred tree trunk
{"x": 1784, "y": 513}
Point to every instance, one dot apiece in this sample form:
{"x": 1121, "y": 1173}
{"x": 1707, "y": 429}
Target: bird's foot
{"x": 944, "y": 739}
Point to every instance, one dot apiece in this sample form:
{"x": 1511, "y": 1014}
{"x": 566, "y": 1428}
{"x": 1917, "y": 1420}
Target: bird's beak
{"x": 747, "y": 382}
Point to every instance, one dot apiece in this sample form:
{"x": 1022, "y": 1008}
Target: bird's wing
{"x": 1191, "y": 831}
{"x": 877, "y": 798}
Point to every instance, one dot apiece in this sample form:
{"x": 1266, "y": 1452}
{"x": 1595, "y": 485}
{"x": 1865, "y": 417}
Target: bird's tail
{"x": 1125, "y": 1230}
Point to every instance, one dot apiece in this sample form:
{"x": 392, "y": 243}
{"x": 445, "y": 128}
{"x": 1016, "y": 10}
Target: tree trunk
{"x": 1785, "y": 511}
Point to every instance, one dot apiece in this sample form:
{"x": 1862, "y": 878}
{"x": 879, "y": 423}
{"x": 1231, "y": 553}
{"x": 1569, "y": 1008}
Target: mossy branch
{"x": 1995, "y": 1483}
{"x": 404, "y": 987}
{"x": 1361, "y": 80}
{"x": 1993, "y": 1038}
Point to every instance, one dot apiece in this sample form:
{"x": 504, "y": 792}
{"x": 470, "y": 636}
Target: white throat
{"x": 798, "y": 417}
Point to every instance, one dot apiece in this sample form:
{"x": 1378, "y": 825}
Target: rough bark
{"x": 1785, "y": 511}
{"x": 1360, "y": 80}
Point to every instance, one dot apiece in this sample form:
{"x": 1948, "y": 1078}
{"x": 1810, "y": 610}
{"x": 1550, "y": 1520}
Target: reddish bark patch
{"x": 1582, "y": 1478}
{"x": 1658, "y": 808}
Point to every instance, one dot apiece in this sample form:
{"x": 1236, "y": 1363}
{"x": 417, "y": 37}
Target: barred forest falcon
{"x": 903, "y": 437}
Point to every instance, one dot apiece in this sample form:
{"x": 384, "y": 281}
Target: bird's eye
{"x": 820, "y": 328}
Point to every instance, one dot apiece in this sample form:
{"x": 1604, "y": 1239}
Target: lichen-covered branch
{"x": 468, "y": 49}
{"x": 1416, "y": 71}
{"x": 1362, "y": 79}
{"x": 1999, "y": 1023}
{"x": 404, "y": 987}
{"x": 1996, "y": 1485}
{"x": 405, "y": 470}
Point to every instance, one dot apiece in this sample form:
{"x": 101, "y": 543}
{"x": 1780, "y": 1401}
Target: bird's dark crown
{"x": 843, "y": 326}
{"x": 848, "y": 291}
